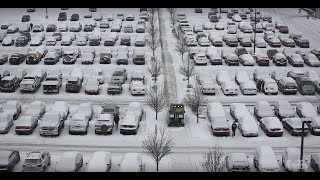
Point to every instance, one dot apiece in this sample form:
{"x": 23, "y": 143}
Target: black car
{"x": 316, "y": 53}
{"x": 22, "y": 41}
{"x": 74, "y": 17}
{"x": 92, "y": 9}
{"x": 25, "y": 18}
{"x": 271, "y": 53}
{"x": 105, "y": 58}
{"x": 10, "y": 160}
{"x": 198, "y": 10}
{"x": 294, "y": 126}
{"x": 314, "y": 126}
{"x": 74, "y": 84}
{"x": 17, "y": 58}
{"x": 214, "y": 18}
{"x": 62, "y": 16}
{"x": 51, "y": 28}
{"x": 125, "y": 40}
{"x": 314, "y": 161}
{"x": 9, "y": 84}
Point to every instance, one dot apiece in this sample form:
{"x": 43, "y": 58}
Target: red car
{"x": 62, "y": 16}
{"x": 262, "y": 60}
{"x": 109, "y": 43}
{"x": 26, "y": 125}
{"x": 284, "y": 29}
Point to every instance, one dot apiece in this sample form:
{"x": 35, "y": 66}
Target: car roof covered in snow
{"x": 24, "y": 121}
{"x": 215, "y": 109}
{"x": 272, "y": 122}
{"x": 219, "y": 122}
{"x": 267, "y": 158}
{"x": 98, "y": 161}
{"x": 130, "y": 162}
{"x": 295, "y": 122}
{"x": 307, "y": 109}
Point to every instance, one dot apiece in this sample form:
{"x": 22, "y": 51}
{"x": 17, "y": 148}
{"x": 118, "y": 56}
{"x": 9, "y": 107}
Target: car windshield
{"x": 118, "y": 73}
{"x": 51, "y": 79}
{"x": 32, "y": 161}
{"x": 92, "y": 82}
{"x": 72, "y": 82}
{"x": 306, "y": 82}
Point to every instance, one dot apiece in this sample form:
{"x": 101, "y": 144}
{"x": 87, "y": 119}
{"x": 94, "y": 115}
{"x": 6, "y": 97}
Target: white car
{"x": 86, "y": 109}
{"x": 207, "y": 26}
{"x": 214, "y": 110}
{"x": 248, "y": 126}
{"x": 70, "y": 161}
{"x": 191, "y": 41}
{"x": 246, "y": 60}
{"x": 136, "y": 109}
{"x": 131, "y": 162}
{"x": 236, "y": 18}
{"x": 6, "y": 122}
{"x": 12, "y": 29}
{"x": 291, "y": 160}
{"x": 66, "y": 40}
{"x": 229, "y": 88}
{"x": 98, "y": 17}
{"x": 204, "y": 41}
{"x": 200, "y": 59}
{"x": 283, "y": 109}
{"x": 63, "y": 27}
{"x": 104, "y": 24}
{"x": 100, "y": 161}
{"x": 248, "y": 88}
{"x": 36, "y": 41}
{"x": 138, "y": 75}
{"x": 220, "y": 126}
{"x": 137, "y": 88}
{"x": 265, "y": 160}
{"x": 241, "y": 76}
{"x": 37, "y": 28}
{"x": 237, "y": 162}
{"x": 260, "y": 43}
{"x": 36, "y": 109}
{"x": 263, "y": 109}
{"x": 98, "y": 74}
{"x": 238, "y": 110}
{"x": 79, "y": 123}
{"x": 81, "y": 41}
{"x": 223, "y": 76}
{"x": 232, "y": 29}
{"x": 92, "y": 86}
{"x": 306, "y": 110}
{"x": 311, "y": 60}
{"x": 272, "y": 126}
{"x": 75, "y": 26}
{"x": 208, "y": 87}
{"x": 51, "y": 41}
{"x": 62, "y": 107}
{"x": 197, "y": 28}
{"x": 86, "y": 58}
{"x": 219, "y": 26}
{"x": 129, "y": 124}
{"x": 13, "y": 107}
{"x": 8, "y": 41}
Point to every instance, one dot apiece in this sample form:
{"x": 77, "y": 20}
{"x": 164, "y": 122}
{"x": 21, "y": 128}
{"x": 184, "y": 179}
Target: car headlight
{"x": 171, "y": 115}
{"x": 180, "y": 115}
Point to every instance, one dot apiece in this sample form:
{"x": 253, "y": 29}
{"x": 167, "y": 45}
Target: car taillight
{"x": 39, "y": 165}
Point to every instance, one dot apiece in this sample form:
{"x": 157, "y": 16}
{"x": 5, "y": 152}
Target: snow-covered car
{"x": 26, "y": 125}
{"x": 291, "y": 160}
{"x": 129, "y": 124}
{"x": 222, "y": 77}
{"x": 288, "y": 42}
{"x": 140, "y": 40}
{"x": 131, "y": 162}
{"x": 200, "y": 59}
{"x": 231, "y": 41}
{"x": 70, "y": 161}
{"x": 128, "y": 28}
{"x": 258, "y": 28}
{"x": 6, "y": 122}
{"x": 314, "y": 126}
{"x": 51, "y": 41}
{"x": 265, "y": 160}
{"x": 246, "y": 42}
{"x": 12, "y": 29}
{"x": 98, "y": 73}
{"x": 295, "y": 73}
{"x": 232, "y": 59}
{"x": 214, "y": 57}
{"x": 87, "y": 15}
{"x": 267, "y": 26}
{"x": 294, "y": 126}
{"x": 120, "y": 75}
{"x": 236, "y": 18}
{"x": 86, "y": 58}
{"x": 238, "y": 110}
{"x": 241, "y": 77}
{"x": 237, "y": 162}
{"x": 287, "y": 85}
{"x": 36, "y": 161}
{"x": 214, "y": 110}
{"x": 63, "y": 27}
{"x": 248, "y": 88}
{"x": 12, "y": 107}
{"x": 313, "y": 75}
{"x": 232, "y": 29}
{"x": 52, "y": 124}
{"x": 268, "y": 86}
{"x": 311, "y": 60}
{"x": 262, "y": 59}
{"x": 62, "y": 107}
{"x": 204, "y": 41}
{"x": 36, "y": 41}
{"x": 229, "y": 88}
{"x": 208, "y": 88}
{"x": 138, "y": 75}
{"x": 306, "y": 110}
{"x": 274, "y": 42}
{"x": 92, "y": 86}
{"x": 272, "y": 126}
{"x": 216, "y": 41}
{"x": 207, "y": 26}
{"x": 136, "y": 109}
{"x": 246, "y": 60}
{"x": 219, "y": 26}
{"x": 37, "y": 28}
{"x": 305, "y": 85}
{"x": 295, "y": 60}
{"x": 245, "y": 27}
{"x": 104, "y": 124}
{"x": 79, "y": 124}
{"x": 104, "y": 24}
{"x": 314, "y": 161}
{"x": 75, "y": 26}
{"x": 8, "y": 41}
{"x": 260, "y": 43}
{"x": 197, "y": 28}
{"x": 248, "y": 126}
{"x": 263, "y": 109}
{"x": 36, "y": 109}
{"x": 283, "y": 109}
{"x": 100, "y": 161}
{"x": 86, "y": 109}
{"x": 137, "y": 88}
{"x": 114, "y": 87}
{"x": 220, "y": 126}
{"x": 81, "y": 41}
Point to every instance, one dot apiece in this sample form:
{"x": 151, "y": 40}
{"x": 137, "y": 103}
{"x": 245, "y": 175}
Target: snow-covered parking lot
{"x": 190, "y": 141}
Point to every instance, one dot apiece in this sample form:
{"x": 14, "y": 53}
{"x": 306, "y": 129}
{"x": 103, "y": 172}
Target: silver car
{"x": 6, "y": 122}
{"x": 120, "y": 75}
{"x": 79, "y": 124}
{"x": 36, "y": 109}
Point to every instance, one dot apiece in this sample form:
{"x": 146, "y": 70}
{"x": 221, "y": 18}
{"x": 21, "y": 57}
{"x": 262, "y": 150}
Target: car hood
{"x": 28, "y": 82}
{"x": 88, "y": 88}
{"x": 48, "y": 124}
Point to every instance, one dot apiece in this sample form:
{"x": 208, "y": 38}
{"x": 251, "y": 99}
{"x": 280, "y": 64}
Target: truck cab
{"x": 176, "y": 115}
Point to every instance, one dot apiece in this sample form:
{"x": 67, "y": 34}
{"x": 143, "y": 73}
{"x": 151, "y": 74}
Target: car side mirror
{"x": 118, "y": 164}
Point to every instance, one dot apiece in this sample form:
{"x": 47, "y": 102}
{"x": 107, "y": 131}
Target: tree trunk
{"x": 197, "y": 116}
{"x": 188, "y": 80}
{"x": 156, "y": 115}
{"x": 157, "y": 166}
{"x": 182, "y": 56}
{"x": 155, "y": 78}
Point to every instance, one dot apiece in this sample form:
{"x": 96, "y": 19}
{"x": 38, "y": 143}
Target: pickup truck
{"x": 73, "y": 84}
{"x": 70, "y": 57}
{"x": 52, "y": 84}
{"x": 30, "y": 83}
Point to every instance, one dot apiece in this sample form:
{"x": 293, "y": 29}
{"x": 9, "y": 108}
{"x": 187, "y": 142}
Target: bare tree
{"x": 153, "y": 41}
{"x": 187, "y": 68}
{"x": 196, "y": 101}
{"x": 155, "y": 68}
{"x": 152, "y": 12}
{"x": 156, "y": 99}
{"x": 158, "y": 144}
{"x": 172, "y": 18}
{"x": 212, "y": 160}
{"x": 181, "y": 45}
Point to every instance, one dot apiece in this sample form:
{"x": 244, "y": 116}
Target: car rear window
{"x": 32, "y": 161}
